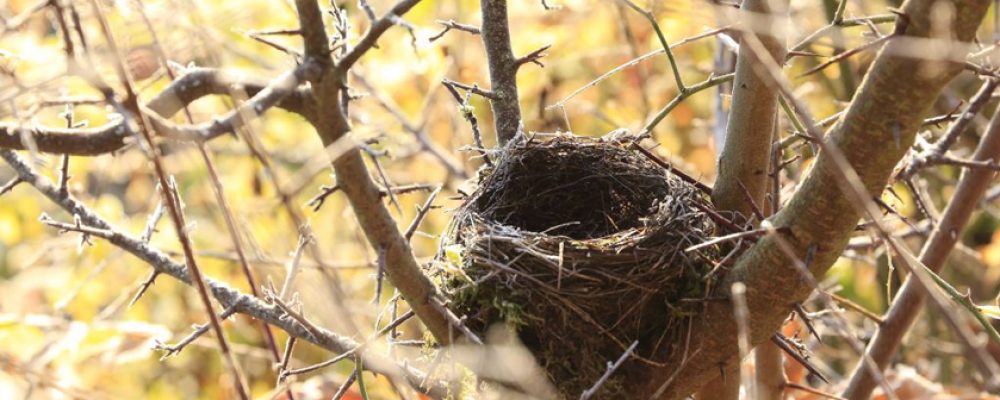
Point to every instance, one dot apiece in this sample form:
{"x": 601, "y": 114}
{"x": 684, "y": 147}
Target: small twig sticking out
{"x": 275, "y": 45}
{"x": 451, "y": 24}
{"x": 277, "y": 32}
{"x": 154, "y": 218}
{"x": 385, "y": 178}
{"x": 612, "y": 367}
{"x": 171, "y": 350}
{"x": 286, "y": 358}
{"x": 10, "y": 185}
{"x": 64, "y": 170}
{"x": 468, "y": 112}
{"x": 388, "y": 328}
{"x": 369, "y": 12}
{"x": 847, "y": 303}
{"x": 670, "y": 168}
{"x": 143, "y": 287}
{"x": 293, "y": 266}
{"x": 474, "y": 89}
{"x": 533, "y": 57}
{"x": 326, "y": 191}
{"x": 421, "y": 213}
{"x": 710, "y": 82}
{"x": 807, "y": 389}
{"x": 751, "y": 234}
{"x": 846, "y": 54}
{"x": 77, "y": 226}
{"x": 804, "y": 316}
{"x": 663, "y": 42}
{"x": 379, "y": 275}
{"x": 342, "y": 390}
{"x": 754, "y": 207}
{"x": 790, "y": 348}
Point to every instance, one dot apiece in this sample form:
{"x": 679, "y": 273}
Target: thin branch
{"x": 786, "y": 345}
{"x": 712, "y": 81}
{"x": 451, "y": 24}
{"x": 171, "y": 197}
{"x": 10, "y": 185}
{"x": 937, "y": 151}
{"x": 225, "y": 295}
{"x": 633, "y": 62}
{"x": 670, "y": 168}
{"x": 468, "y": 112}
{"x": 170, "y": 350}
{"x": 421, "y": 213}
{"x": 194, "y": 84}
{"x": 971, "y": 186}
{"x": 533, "y": 57}
{"x": 612, "y": 367}
{"x": 663, "y": 42}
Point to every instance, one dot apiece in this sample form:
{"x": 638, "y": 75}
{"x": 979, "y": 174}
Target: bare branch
{"x": 451, "y": 24}
{"x": 353, "y": 177}
{"x": 225, "y": 295}
{"x": 194, "y": 84}
{"x": 503, "y": 69}
{"x": 901, "y": 315}
{"x": 860, "y": 151}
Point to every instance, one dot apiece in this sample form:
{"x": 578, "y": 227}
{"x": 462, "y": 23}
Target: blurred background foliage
{"x": 66, "y": 330}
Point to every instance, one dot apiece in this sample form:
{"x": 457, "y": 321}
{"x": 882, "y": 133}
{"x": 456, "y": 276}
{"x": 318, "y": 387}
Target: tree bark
{"x": 742, "y": 184}
{"x": 503, "y": 69}
{"x": 876, "y": 131}
{"x": 746, "y": 154}
{"x": 352, "y": 174}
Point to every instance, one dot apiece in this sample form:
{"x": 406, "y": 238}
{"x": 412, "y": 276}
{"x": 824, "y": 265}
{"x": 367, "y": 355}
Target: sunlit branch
{"x": 194, "y": 84}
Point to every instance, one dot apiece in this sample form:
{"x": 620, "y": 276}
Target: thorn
{"x": 10, "y": 185}
{"x": 533, "y": 57}
{"x": 143, "y": 287}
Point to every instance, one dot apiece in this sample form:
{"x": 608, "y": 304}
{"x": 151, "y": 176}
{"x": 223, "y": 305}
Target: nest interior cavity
{"x": 579, "y": 244}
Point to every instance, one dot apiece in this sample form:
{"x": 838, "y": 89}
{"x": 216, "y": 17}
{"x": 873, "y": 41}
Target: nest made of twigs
{"x": 579, "y": 244}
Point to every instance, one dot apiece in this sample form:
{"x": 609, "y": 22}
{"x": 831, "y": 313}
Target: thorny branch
{"x": 225, "y": 295}
{"x": 193, "y": 84}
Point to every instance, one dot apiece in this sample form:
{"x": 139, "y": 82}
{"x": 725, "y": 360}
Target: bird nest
{"x": 579, "y": 244}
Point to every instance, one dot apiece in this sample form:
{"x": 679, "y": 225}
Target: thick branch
{"x": 747, "y": 151}
{"x": 353, "y": 178}
{"x": 876, "y": 131}
{"x": 195, "y": 84}
{"x": 742, "y": 183}
{"x": 910, "y": 299}
{"x": 503, "y": 69}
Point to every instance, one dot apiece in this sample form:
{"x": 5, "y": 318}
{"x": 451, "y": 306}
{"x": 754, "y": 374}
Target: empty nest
{"x": 579, "y": 244}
